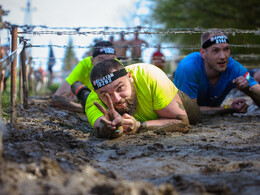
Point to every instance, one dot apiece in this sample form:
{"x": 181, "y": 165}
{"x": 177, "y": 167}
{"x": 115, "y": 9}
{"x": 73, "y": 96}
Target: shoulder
{"x": 145, "y": 71}
{"x": 86, "y": 62}
{"x": 195, "y": 56}
{"x": 233, "y": 63}
{"x": 191, "y": 61}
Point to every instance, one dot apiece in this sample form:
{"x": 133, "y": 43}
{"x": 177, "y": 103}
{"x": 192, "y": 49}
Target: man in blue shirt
{"x": 209, "y": 75}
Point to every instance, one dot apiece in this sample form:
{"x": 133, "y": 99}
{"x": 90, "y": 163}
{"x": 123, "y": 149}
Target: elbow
{"x": 55, "y": 101}
{"x": 58, "y": 101}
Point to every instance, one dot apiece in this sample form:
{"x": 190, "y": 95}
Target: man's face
{"x": 101, "y": 58}
{"x": 216, "y": 56}
{"x": 122, "y": 93}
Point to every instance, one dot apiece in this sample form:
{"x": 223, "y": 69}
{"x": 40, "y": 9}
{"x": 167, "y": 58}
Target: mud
{"x": 51, "y": 151}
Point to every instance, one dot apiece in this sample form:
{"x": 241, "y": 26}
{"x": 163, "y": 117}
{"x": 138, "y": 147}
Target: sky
{"x": 75, "y": 13}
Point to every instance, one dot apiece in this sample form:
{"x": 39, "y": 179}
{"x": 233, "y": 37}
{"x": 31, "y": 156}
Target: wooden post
{"x": 20, "y": 78}
{"x": 13, "y": 76}
{"x": 25, "y": 88}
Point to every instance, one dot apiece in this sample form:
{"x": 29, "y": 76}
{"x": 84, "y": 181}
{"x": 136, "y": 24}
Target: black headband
{"x": 215, "y": 40}
{"x": 105, "y": 80}
{"x": 103, "y": 50}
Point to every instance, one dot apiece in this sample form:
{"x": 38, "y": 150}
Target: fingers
{"x": 243, "y": 108}
{"x": 110, "y": 105}
{"x": 240, "y": 100}
{"x": 127, "y": 116}
{"x": 117, "y": 121}
{"x": 100, "y": 107}
{"x": 241, "y": 83}
{"x": 129, "y": 124}
{"x": 240, "y": 105}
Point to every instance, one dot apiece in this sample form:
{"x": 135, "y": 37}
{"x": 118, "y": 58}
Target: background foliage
{"x": 70, "y": 59}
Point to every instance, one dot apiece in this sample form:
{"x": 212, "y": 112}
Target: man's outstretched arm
{"x": 172, "y": 118}
{"x": 65, "y": 99}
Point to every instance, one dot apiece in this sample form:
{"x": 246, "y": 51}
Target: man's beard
{"x": 130, "y": 103}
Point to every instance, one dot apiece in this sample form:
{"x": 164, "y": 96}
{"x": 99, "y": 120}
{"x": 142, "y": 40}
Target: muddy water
{"x": 51, "y": 151}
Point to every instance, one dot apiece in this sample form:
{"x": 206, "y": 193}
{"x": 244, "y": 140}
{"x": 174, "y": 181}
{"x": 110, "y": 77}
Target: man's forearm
{"x": 63, "y": 102}
{"x": 254, "y": 93}
{"x": 211, "y": 111}
{"x": 170, "y": 125}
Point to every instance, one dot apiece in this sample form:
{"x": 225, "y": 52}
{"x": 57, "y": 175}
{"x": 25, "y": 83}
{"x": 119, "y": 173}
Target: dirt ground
{"x": 51, "y": 151}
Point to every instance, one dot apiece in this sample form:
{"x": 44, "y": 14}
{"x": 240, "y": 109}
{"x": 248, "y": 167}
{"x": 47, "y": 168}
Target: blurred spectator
{"x": 158, "y": 58}
{"x": 39, "y": 78}
{"x": 111, "y": 39}
{"x": 136, "y": 50}
{"x": 121, "y": 47}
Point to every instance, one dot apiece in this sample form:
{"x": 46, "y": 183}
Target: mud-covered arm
{"x": 238, "y": 106}
{"x": 65, "y": 99}
{"x": 172, "y": 118}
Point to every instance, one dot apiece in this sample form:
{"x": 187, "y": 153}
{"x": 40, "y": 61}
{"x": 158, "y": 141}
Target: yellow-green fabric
{"x": 82, "y": 73}
{"x": 154, "y": 91}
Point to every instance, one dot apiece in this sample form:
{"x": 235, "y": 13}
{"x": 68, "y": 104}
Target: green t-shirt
{"x": 82, "y": 73}
{"x": 154, "y": 91}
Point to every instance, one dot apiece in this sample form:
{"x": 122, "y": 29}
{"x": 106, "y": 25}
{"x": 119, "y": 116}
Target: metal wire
{"x": 11, "y": 57}
{"x": 106, "y": 30}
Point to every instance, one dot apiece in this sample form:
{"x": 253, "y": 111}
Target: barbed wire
{"x": 187, "y": 47}
{"x": 237, "y": 56}
{"x": 107, "y": 30}
{"x": 104, "y": 33}
{"x": 11, "y": 57}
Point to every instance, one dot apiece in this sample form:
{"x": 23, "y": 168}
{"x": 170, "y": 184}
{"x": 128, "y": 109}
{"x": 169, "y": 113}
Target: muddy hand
{"x": 241, "y": 83}
{"x": 239, "y": 105}
{"x": 111, "y": 121}
{"x": 130, "y": 125}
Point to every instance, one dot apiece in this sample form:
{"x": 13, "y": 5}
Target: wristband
{"x": 227, "y": 106}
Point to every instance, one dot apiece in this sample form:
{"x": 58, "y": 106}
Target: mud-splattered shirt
{"x": 154, "y": 91}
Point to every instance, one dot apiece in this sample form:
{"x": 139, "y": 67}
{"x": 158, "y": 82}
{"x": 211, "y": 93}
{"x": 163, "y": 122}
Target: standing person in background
{"x": 64, "y": 97}
{"x": 136, "y": 50}
{"x": 158, "y": 58}
{"x": 111, "y": 39}
{"x": 209, "y": 75}
{"x": 121, "y": 47}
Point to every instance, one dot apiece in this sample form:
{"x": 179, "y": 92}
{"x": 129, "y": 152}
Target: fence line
{"x": 12, "y": 56}
{"x": 12, "y": 59}
{"x": 105, "y": 30}
{"x": 187, "y": 47}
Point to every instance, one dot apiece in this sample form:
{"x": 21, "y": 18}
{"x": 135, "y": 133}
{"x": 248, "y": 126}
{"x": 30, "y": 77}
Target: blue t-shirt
{"x": 190, "y": 77}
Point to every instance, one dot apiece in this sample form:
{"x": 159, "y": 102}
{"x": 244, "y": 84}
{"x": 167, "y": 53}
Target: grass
{"x": 6, "y": 96}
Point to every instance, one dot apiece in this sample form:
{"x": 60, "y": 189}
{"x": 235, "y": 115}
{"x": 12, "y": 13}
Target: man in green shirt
{"x": 136, "y": 98}
{"x": 64, "y": 97}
